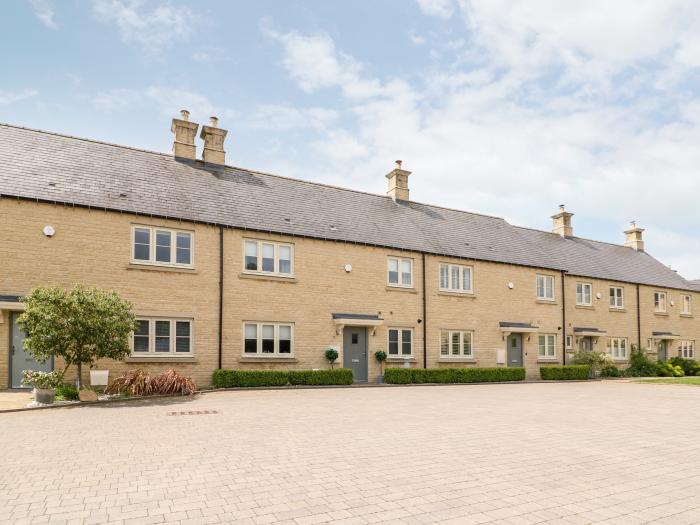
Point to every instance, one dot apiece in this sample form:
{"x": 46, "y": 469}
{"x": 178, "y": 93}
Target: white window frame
{"x": 686, "y": 304}
{"x": 615, "y": 296}
{"x": 172, "y": 335}
{"x": 276, "y": 353}
{"x": 617, "y": 343}
{"x": 460, "y": 288}
{"x": 400, "y": 330}
{"x": 657, "y": 300}
{"x": 276, "y": 270}
{"x": 545, "y": 278}
{"x": 686, "y": 349}
{"x": 543, "y": 352}
{"x": 401, "y": 273}
{"x": 152, "y": 246}
{"x": 581, "y": 295}
{"x": 461, "y": 334}
{"x": 569, "y": 342}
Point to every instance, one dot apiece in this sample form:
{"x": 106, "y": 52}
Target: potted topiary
{"x": 331, "y": 355}
{"x": 380, "y": 355}
{"x": 44, "y": 384}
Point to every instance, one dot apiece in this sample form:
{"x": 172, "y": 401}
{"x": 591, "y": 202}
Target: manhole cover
{"x": 192, "y": 412}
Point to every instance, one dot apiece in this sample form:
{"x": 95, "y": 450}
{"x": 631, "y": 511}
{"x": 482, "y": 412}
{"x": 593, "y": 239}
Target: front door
{"x": 586, "y": 344}
{"x": 20, "y": 359}
{"x": 355, "y": 352}
{"x": 662, "y": 353}
{"x": 515, "y": 350}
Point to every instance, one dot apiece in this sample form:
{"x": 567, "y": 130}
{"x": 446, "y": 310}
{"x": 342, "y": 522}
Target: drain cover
{"x": 192, "y": 412}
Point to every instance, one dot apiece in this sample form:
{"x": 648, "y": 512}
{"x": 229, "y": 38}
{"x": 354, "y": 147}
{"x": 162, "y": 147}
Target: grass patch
{"x": 673, "y": 381}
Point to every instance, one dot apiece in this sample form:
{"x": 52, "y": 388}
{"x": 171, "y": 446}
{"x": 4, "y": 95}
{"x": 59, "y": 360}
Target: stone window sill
{"x": 251, "y": 359}
{"x": 262, "y": 277}
{"x": 551, "y": 361}
{"x": 156, "y": 268}
{"x": 585, "y": 307}
{"x": 456, "y": 360}
{"x": 447, "y": 293}
{"x": 687, "y": 316}
{"x": 400, "y": 359}
{"x": 618, "y": 310}
{"x": 662, "y": 314}
{"x": 400, "y": 289}
{"x": 545, "y": 301}
{"x": 159, "y": 359}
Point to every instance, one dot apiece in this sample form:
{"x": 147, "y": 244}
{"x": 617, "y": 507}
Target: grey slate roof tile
{"x": 90, "y": 173}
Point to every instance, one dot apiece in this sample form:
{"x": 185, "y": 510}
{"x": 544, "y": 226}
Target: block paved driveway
{"x": 611, "y": 452}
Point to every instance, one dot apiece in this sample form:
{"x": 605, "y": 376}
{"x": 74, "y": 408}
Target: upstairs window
{"x": 660, "y": 302}
{"x": 161, "y": 246}
{"x": 400, "y": 342}
{"x": 400, "y": 272}
{"x": 686, "y": 349}
{"x": 617, "y": 347}
{"x": 547, "y": 346}
{"x": 617, "y": 299}
{"x": 268, "y": 339}
{"x": 162, "y": 337}
{"x": 545, "y": 288}
{"x": 686, "y": 304}
{"x": 455, "y": 278}
{"x": 456, "y": 343}
{"x": 584, "y": 294}
{"x": 268, "y": 257}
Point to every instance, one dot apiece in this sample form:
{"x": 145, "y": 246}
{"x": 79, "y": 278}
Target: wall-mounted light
{"x": 348, "y": 268}
{"x": 599, "y": 295}
{"x": 511, "y": 285}
{"x": 49, "y": 231}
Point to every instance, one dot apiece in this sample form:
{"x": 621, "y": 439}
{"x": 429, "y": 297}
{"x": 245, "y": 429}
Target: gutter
{"x": 425, "y": 321}
{"x": 221, "y": 294}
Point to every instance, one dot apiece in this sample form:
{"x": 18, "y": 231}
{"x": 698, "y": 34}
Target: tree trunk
{"x": 80, "y": 372}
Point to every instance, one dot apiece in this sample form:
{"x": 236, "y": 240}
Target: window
{"x": 547, "y": 347}
{"x": 545, "y": 287}
{"x": 686, "y": 349}
{"x": 456, "y": 278}
{"x": 267, "y": 339}
{"x": 617, "y": 297}
{"x": 400, "y": 342}
{"x": 267, "y": 257}
{"x": 162, "y": 337}
{"x": 584, "y": 292}
{"x": 659, "y": 301}
{"x": 161, "y": 246}
{"x": 569, "y": 342}
{"x": 400, "y": 272}
{"x": 456, "y": 343}
{"x": 617, "y": 347}
{"x": 686, "y": 305}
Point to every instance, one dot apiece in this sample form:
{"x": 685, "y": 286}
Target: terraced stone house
{"x": 229, "y": 267}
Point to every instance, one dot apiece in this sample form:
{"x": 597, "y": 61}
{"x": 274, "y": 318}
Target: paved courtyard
{"x": 611, "y": 452}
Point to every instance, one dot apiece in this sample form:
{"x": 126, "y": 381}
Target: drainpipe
{"x": 563, "y": 320}
{"x": 221, "y": 293}
{"x": 425, "y": 321}
{"x": 639, "y": 322}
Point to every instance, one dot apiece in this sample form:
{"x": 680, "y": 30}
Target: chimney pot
{"x": 185, "y": 132}
{"x": 562, "y": 223}
{"x": 185, "y": 114}
{"x": 398, "y": 183}
{"x": 213, "y": 122}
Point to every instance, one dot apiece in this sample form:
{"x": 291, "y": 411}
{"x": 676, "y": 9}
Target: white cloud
{"x": 279, "y": 117}
{"x": 8, "y": 97}
{"x": 44, "y": 11}
{"x": 441, "y": 8}
{"x": 153, "y": 30}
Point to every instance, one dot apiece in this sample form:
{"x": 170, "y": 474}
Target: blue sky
{"x": 500, "y": 107}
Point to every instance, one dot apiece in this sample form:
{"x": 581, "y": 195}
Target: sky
{"x": 506, "y": 108}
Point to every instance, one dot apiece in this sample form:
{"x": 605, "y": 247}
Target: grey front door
{"x": 355, "y": 352}
{"x": 663, "y": 351}
{"x": 515, "y": 350}
{"x": 586, "y": 344}
{"x": 20, "y": 359}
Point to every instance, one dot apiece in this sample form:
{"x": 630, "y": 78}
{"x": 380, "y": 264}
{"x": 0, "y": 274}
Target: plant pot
{"x": 380, "y": 379}
{"x": 45, "y": 396}
{"x": 99, "y": 377}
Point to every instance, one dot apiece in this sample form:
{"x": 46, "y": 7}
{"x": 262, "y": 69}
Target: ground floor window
{"x": 617, "y": 347}
{"x": 547, "y": 346}
{"x": 686, "y": 349}
{"x": 162, "y": 337}
{"x": 456, "y": 343}
{"x": 268, "y": 339}
{"x": 400, "y": 341}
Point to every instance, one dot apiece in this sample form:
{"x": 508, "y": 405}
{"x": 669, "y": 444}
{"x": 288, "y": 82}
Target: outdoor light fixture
{"x": 49, "y": 231}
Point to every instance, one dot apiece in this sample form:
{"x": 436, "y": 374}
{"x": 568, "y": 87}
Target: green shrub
{"x": 247, "y": 378}
{"x": 565, "y": 373}
{"x": 640, "y": 364}
{"x": 611, "y": 371}
{"x": 690, "y": 366}
{"x": 596, "y": 361}
{"x": 66, "y": 392}
{"x": 339, "y": 376}
{"x": 402, "y": 376}
{"x": 666, "y": 369}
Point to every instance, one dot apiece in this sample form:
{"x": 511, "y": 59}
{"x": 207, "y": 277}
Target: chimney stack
{"x": 634, "y": 237}
{"x": 562, "y": 223}
{"x": 185, "y": 131}
{"x": 213, "y": 143}
{"x": 398, "y": 183}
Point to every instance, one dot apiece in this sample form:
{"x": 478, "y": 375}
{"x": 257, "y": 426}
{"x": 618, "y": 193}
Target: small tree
{"x": 331, "y": 355}
{"x": 595, "y": 360}
{"x": 80, "y": 326}
{"x": 380, "y": 355}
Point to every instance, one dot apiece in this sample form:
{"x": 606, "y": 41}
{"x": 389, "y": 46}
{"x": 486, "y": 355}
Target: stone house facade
{"x": 234, "y": 268}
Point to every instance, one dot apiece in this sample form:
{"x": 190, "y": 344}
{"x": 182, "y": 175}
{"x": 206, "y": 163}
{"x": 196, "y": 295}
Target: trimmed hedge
{"x": 403, "y": 376}
{"x": 565, "y": 373}
{"x": 223, "y": 378}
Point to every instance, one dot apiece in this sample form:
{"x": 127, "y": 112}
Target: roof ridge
{"x": 248, "y": 170}
{"x": 572, "y": 236}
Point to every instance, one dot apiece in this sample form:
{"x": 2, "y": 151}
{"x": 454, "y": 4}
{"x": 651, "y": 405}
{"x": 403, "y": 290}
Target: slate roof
{"x": 45, "y": 166}
{"x": 695, "y": 284}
